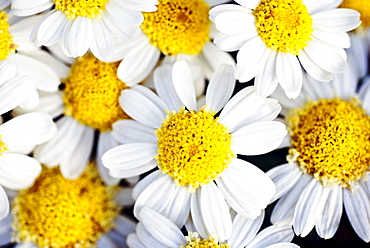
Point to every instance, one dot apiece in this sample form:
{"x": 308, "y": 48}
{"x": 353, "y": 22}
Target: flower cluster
{"x": 133, "y": 123}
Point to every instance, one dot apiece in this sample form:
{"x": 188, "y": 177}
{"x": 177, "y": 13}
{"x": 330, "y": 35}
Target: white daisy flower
{"x": 88, "y": 101}
{"x": 179, "y": 30}
{"x": 194, "y": 151}
{"x": 84, "y": 214}
{"x": 276, "y": 39}
{"x": 329, "y": 157}
{"x": 82, "y": 25}
{"x": 18, "y": 137}
{"x": 155, "y": 230}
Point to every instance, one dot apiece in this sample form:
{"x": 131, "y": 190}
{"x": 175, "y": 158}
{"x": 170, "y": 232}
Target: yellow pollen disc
{"x": 195, "y": 242}
{"x": 193, "y": 147}
{"x": 87, "y": 8}
{"x": 57, "y": 212}
{"x": 331, "y": 140}
{"x": 91, "y": 93}
{"x": 6, "y": 40}
{"x": 362, "y": 6}
{"x": 284, "y": 25}
{"x": 178, "y": 26}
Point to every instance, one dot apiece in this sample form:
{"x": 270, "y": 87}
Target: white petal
{"x": 129, "y": 156}
{"x": 118, "y": 26}
{"x": 51, "y": 27}
{"x": 213, "y": 213}
{"x": 142, "y": 108}
{"x": 284, "y": 209}
{"x": 18, "y": 171}
{"x": 234, "y": 22}
{"x": 246, "y": 188}
{"x": 28, "y": 129}
{"x": 258, "y": 138}
{"x": 338, "y": 39}
{"x": 272, "y": 235}
{"x": 105, "y": 142}
{"x": 357, "y": 206}
{"x": 284, "y": 177}
{"x": 183, "y": 84}
{"x": 134, "y": 241}
{"x": 332, "y": 213}
{"x": 217, "y": 10}
{"x": 336, "y": 20}
{"x": 4, "y": 204}
{"x": 140, "y": 5}
{"x": 145, "y": 182}
{"x": 313, "y": 69}
{"x": 233, "y": 42}
{"x": 266, "y": 81}
{"x": 77, "y": 38}
{"x": 165, "y": 87}
{"x": 220, "y": 88}
{"x": 289, "y": 74}
{"x": 164, "y": 230}
{"x": 130, "y": 131}
{"x": 314, "y": 6}
{"x": 146, "y": 238}
{"x": 22, "y": 8}
{"x": 8, "y": 70}
{"x": 250, "y": 4}
{"x": 309, "y": 208}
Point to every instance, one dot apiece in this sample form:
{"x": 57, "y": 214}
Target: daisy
{"x": 86, "y": 102}
{"x": 82, "y": 25}
{"x": 329, "y": 134}
{"x": 155, "y": 230}
{"x": 194, "y": 151}
{"x": 179, "y": 30}
{"x": 85, "y": 213}
{"x": 18, "y": 137}
{"x": 276, "y": 39}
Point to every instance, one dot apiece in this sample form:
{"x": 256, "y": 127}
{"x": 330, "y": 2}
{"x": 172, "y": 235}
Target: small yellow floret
{"x": 87, "y": 8}
{"x": 3, "y": 147}
{"x": 284, "y": 25}
{"x": 57, "y": 212}
{"x": 178, "y": 26}
{"x": 193, "y": 147}
{"x": 331, "y": 140}
{"x": 91, "y": 93}
{"x": 6, "y": 40}
{"x": 195, "y": 242}
{"x": 362, "y": 6}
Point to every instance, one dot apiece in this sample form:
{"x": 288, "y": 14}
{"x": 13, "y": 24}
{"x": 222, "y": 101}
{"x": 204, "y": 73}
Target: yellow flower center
{"x": 362, "y": 6}
{"x": 193, "y": 147}
{"x": 331, "y": 140}
{"x": 195, "y": 242}
{"x": 87, "y": 8}
{"x": 57, "y": 212}
{"x": 284, "y": 25}
{"x": 91, "y": 93}
{"x": 6, "y": 40}
{"x": 178, "y": 26}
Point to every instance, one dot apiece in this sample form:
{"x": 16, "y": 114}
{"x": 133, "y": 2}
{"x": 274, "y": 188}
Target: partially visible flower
{"x": 179, "y": 30}
{"x": 194, "y": 150}
{"x": 155, "y": 230}
{"x": 18, "y": 137}
{"x": 276, "y": 39}
{"x": 85, "y": 24}
{"x": 329, "y": 157}
{"x": 58, "y": 212}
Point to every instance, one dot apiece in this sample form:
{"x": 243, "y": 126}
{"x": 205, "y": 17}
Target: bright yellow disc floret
{"x": 331, "y": 140}
{"x": 178, "y": 26}
{"x": 91, "y": 93}
{"x": 195, "y": 242}
{"x": 362, "y": 6}
{"x": 87, "y": 8}
{"x": 284, "y": 25}
{"x": 193, "y": 147}
{"x": 58, "y": 212}
{"x": 6, "y": 40}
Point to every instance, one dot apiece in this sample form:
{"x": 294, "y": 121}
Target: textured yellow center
{"x": 6, "y": 40}
{"x": 178, "y": 26}
{"x": 57, "y": 212}
{"x": 284, "y": 25}
{"x": 91, "y": 93}
{"x": 195, "y": 242}
{"x": 331, "y": 140}
{"x": 193, "y": 147}
{"x": 87, "y": 8}
{"x": 362, "y": 6}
